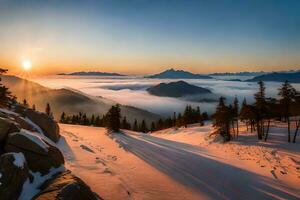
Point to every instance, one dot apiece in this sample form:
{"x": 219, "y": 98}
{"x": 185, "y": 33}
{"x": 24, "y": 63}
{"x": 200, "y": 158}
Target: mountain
{"x": 278, "y": 77}
{"x": 69, "y": 101}
{"x": 92, "y": 74}
{"x": 239, "y": 74}
{"x": 176, "y": 89}
{"x": 178, "y": 74}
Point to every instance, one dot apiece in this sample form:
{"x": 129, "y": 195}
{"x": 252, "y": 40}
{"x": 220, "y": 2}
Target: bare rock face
{"x": 19, "y": 121}
{"x": 46, "y": 123}
{"x": 7, "y": 126}
{"x": 66, "y": 186}
{"x": 13, "y": 173}
{"x": 41, "y": 156}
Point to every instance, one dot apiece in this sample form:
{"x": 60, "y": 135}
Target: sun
{"x": 26, "y": 64}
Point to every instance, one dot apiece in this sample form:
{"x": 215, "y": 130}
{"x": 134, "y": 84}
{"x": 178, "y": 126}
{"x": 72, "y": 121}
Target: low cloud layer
{"x": 132, "y": 91}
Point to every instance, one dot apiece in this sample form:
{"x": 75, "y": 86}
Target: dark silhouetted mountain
{"x": 278, "y": 77}
{"x": 178, "y": 74}
{"x": 176, "y": 89}
{"x": 92, "y": 74}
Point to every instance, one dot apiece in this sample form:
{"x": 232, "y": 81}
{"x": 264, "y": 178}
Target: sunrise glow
{"x": 26, "y": 65}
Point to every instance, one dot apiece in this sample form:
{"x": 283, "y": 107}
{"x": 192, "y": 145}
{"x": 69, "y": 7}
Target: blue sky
{"x": 141, "y": 36}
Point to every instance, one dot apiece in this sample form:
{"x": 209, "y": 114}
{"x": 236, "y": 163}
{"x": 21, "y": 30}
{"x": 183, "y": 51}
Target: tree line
{"x": 259, "y": 115}
{"x": 114, "y": 121}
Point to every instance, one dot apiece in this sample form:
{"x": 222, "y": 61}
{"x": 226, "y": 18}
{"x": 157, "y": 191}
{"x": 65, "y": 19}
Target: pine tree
{"x": 62, "y": 117}
{"x": 143, "y": 127}
{"x": 92, "y": 120}
{"x": 222, "y": 119}
{"x": 288, "y": 94}
{"x": 125, "y": 124}
{"x": 25, "y": 104}
{"x": 152, "y": 127}
{"x": 296, "y": 108}
{"x": 236, "y": 114}
{"x": 48, "y": 109}
{"x": 260, "y": 106}
{"x": 5, "y": 94}
{"x": 135, "y": 125}
{"x": 174, "y": 119}
{"x": 113, "y": 117}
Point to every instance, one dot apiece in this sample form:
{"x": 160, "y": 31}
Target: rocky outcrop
{"x": 66, "y": 186}
{"x": 27, "y": 146}
{"x": 18, "y": 120}
{"x": 46, "y": 123}
{"x": 7, "y": 126}
{"x": 49, "y": 127}
{"x": 13, "y": 174}
{"x": 41, "y": 156}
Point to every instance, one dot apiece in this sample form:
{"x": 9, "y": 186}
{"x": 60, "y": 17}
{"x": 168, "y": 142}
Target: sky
{"x": 148, "y": 36}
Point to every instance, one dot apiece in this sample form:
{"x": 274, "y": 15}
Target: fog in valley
{"x": 132, "y": 91}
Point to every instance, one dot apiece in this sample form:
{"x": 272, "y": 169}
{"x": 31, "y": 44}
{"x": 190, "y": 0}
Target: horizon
{"x": 143, "y": 37}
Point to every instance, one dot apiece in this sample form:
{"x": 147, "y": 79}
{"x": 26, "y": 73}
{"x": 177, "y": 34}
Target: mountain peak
{"x": 178, "y": 74}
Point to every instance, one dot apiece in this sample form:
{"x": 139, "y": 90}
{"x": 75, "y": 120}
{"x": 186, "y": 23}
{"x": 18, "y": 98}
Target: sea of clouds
{"x": 132, "y": 91}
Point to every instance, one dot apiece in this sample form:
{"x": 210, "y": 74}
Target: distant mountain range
{"x": 292, "y": 77}
{"x": 178, "y": 74}
{"x": 251, "y": 73}
{"x": 91, "y": 74}
{"x": 239, "y": 74}
{"x": 177, "y": 89}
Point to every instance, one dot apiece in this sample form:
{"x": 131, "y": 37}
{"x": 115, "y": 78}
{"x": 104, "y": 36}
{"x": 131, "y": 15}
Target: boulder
{"x": 66, "y": 186}
{"x": 7, "y": 126}
{"x": 40, "y": 154}
{"x": 49, "y": 127}
{"x": 13, "y": 174}
{"x": 19, "y": 121}
{"x": 46, "y": 123}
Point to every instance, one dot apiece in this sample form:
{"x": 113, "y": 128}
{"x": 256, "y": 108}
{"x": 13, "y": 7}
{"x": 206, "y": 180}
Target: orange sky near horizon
{"x": 129, "y": 66}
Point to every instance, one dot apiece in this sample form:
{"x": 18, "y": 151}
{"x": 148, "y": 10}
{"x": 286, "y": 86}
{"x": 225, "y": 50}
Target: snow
{"x": 37, "y": 139}
{"x": 8, "y": 112}
{"x": 36, "y": 127}
{"x": 182, "y": 164}
{"x": 19, "y": 159}
{"x": 30, "y": 189}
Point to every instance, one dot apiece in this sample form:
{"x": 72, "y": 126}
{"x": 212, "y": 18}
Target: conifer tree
{"x": 143, "y": 127}
{"x": 62, "y": 117}
{"x": 222, "y": 119}
{"x": 288, "y": 94}
{"x": 135, "y": 125}
{"x": 25, "y": 104}
{"x": 92, "y": 120}
{"x": 5, "y": 94}
{"x": 152, "y": 127}
{"x": 296, "y": 108}
{"x": 48, "y": 109}
{"x": 236, "y": 114}
{"x": 125, "y": 124}
{"x": 113, "y": 117}
{"x": 260, "y": 106}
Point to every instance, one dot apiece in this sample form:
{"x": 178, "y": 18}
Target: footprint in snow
{"x": 110, "y": 157}
{"x": 107, "y": 171}
{"x": 86, "y": 148}
{"x": 98, "y": 160}
{"x": 273, "y": 173}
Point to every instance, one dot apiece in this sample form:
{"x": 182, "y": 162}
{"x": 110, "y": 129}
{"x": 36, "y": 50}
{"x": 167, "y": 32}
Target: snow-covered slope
{"x": 182, "y": 164}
